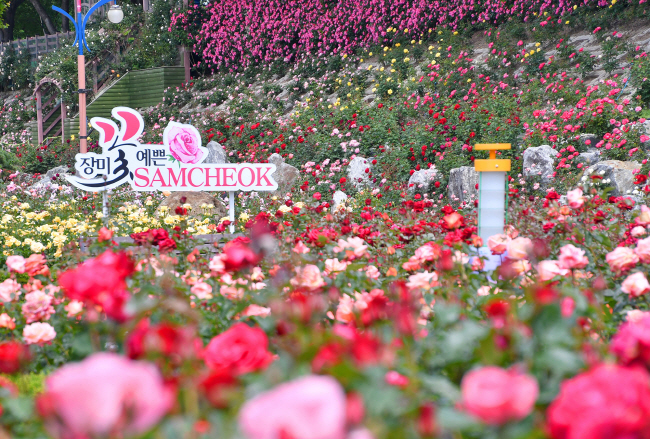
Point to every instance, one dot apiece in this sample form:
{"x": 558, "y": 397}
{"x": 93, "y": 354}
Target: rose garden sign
{"x": 176, "y": 165}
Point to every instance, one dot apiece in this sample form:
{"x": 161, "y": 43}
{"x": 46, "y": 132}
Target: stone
{"x": 53, "y": 177}
{"x": 538, "y": 163}
{"x": 421, "y": 181}
{"x": 616, "y": 174}
{"x": 339, "y": 198}
{"x": 357, "y": 174}
{"x": 285, "y": 174}
{"x": 462, "y": 184}
{"x": 216, "y": 153}
{"x": 196, "y": 200}
{"x": 591, "y": 157}
{"x": 589, "y": 140}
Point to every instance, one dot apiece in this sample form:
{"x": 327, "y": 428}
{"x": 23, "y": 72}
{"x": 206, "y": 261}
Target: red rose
{"x": 241, "y": 349}
{"x": 166, "y": 245}
{"x": 12, "y": 355}
{"x": 100, "y": 281}
{"x": 606, "y": 402}
{"x": 238, "y": 256}
{"x": 174, "y": 343}
{"x": 496, "y": 396}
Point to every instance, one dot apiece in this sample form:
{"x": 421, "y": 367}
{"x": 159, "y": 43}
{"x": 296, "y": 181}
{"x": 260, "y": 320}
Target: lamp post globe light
{"x": 115, "y": 15}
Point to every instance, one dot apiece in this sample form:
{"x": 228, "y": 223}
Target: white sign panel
{"x": 176, "y": 165}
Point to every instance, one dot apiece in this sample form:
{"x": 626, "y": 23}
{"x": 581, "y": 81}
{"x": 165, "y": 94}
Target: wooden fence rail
{"x": 39, "y": 45}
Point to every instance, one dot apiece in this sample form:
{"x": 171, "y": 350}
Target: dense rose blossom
{"x": 635, "y": 285}
{"x": 202, "y": 290}
{"x": 642, "y": 250}
{"x": 498, "y": 244}
{"x": 104, "y": 234}
{"x": 100, "y": 281}
{"x": 497, "y": 396}
{"x": 238, "y": 256}
{"x": 174, "y": 343}
{"x": 12, "y": 356}
{"x": 37, "y": 306}
{"x": 621, "y": 259}
{"x": 36, "y": 265}
{"x": 38, "y": 333}
{"x": 519, "y": 248}
{"x": 308, "y": 277}
{"x": 9, "y": 290}
{"x": 547, "y": 270}
{"x": 572, "y": 257}
{"x": 354, "y": 247}
{"x": 240, "y": 349}
{"x": 575, "y": 198}
{"x": 311, "y": 407}
{"x": 631, "y": 344}
{"x": 6, "y": 321}
{"x": 606, "y": 402}
{"x": 423, "y": 280}
{"x": 16, "y": 264}
{"x": 103, "y": 394}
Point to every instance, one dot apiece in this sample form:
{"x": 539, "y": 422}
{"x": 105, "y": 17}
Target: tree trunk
{"x": 7, "y": 34}
{"x": 44, "y": 16}
{"x": 65, "y": 23}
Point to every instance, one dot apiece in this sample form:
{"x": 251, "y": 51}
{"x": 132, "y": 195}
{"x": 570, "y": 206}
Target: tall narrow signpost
{"x": 491, "y": 196}
{"x": 115, "y": 15}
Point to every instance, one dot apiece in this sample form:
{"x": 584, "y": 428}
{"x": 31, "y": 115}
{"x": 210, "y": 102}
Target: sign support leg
{"x": 231, "y": 199}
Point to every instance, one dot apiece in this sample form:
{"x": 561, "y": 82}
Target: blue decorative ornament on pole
{"x": 115, "y": 15}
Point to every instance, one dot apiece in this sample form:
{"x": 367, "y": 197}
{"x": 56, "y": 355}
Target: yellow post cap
{"x": 492, "y": 164}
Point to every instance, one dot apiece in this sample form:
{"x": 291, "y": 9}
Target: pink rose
{"x": 16, "y": 264}
{"x": 184, "y": 145}
{"x": 497, "y": 244}
{"x": 638, "y": 231}
{"x": 9, "y": 290}
{"x": 575, "y": 198}
{"x": 353, "y": 247}
{"x": 519, "y": 248}
{"x": 631, "y": 344}
{"x": 38, "y": 333}
{"x": 606, "y": 402}
{"x": 37, "y": 306}
{"x": 572, "y": 257}
{"x": 424, "y": 280}
{"x": 547, "y": 270}
{"x": 308, "y": 277}
{"x": 642, "y": 250}
{"x": 621, "y": 259}
{"x": 372, "y": 272}
{"x": 104, "y": 395}
{"x": 7, "y": 322}
{"x": 312, "y": 407}
{"x": 496, "y": 396}
{"x": 202, "y": 290}
{"x": 427, "y": 253}
{"x": 334, "y": 266}
{"x": 635, "y": 285}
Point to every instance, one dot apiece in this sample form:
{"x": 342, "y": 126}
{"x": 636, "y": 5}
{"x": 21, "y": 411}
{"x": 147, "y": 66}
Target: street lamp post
{"x": 115, "y": 15}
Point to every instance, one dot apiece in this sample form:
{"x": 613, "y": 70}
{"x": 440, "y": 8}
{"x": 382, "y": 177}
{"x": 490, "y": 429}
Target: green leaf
{"x": 441, "y": 386}
{"x": 21, "y": 408}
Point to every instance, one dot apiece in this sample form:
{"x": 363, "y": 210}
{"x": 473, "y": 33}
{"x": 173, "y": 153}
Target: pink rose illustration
{"x": 184, "y": 145}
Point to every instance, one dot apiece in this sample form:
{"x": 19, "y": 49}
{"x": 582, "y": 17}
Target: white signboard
{"x": 176, "y": 165}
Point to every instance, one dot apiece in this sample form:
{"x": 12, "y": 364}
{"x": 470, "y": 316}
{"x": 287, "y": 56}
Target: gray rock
{"x": 422, "y": 180}
{"x": 53, "y": 177}
{"x": 216, "y": 153}
{"x": 195, "y": 199}
{"x": 357, "y": 174}
{"x": 538, "y": 163}
{"x": 462, "y": 184}
{"x": 338, "y": 199}
{"x": 285, "y": 174}
{"x": 616, "y": 174}
{"x": 589, "y": 140}
{"x": 591, "y": 157}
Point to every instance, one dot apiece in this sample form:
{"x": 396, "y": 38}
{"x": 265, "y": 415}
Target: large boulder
{"x": 338, "y": 199}
{"x": 421, "y": 181}
{"x": 285, "y": 174}
{"x": 591, "y": 157}
{"x": 359, "y": 172}
{"x": 616, "y": 174}
{"x": 538, "y": 163}
{"x": 196, "y": 200}
{"x": 462, "y": 184}
{"x": 216, "y": 153}
{"x": 53, "y": 177}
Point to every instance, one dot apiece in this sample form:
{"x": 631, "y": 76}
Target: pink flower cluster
{"x": 238, "y": 33}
